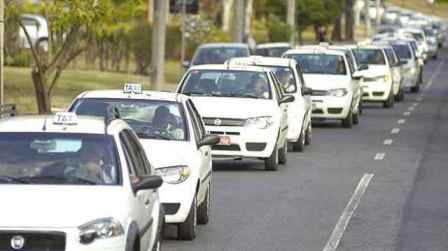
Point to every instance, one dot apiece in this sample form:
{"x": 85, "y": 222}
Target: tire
{"x": 158, "y": 243}
{"x": 187, "y": 229}
{"x": 309, "y": 134}
{"x": 299, "y": 145}
{"x": 356, "y": 118}
{"x": 360, "y": 107}
{"x": 271, "y": 163}
{"x": 348, "y": 121}
{"x": 389, "y": 103}
{"x": 415, "y": 89}
{"x": 283, "y": 154}
{"x": 204, "y": 208}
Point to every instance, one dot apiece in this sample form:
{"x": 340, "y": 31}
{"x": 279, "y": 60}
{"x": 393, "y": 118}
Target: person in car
{"x": 165, "y": 122}
{"x": 92, "y": 166}
{"x": 258, "y": 87}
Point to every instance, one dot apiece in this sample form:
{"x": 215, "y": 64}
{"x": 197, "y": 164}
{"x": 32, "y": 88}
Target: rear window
{"x": 403, "y": 51}
{"x": 320, "y": 63}
{"x": 370, "y": 56}
{"x": 218, "y": 55}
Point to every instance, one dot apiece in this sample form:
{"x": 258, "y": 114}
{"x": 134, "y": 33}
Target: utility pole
{"x": 227, "y": 14}
{"x": 238, "y": 21}
{"x": 2, "y": 41}
{"x": 367, "y": 18}
{"x": 291, "y": 16}
{"x": 183, "y": 40}
{"x": 378, "y": 16}
{"x": 158, "y": 44}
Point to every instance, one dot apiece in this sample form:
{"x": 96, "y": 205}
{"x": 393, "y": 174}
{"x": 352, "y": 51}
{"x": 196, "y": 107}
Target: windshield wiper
{"x": 62, "y": 178}
{"x": 153, "y": 136}
{"x": 14, "y": 180}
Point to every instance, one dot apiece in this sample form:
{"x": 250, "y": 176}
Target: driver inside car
{"x": 165, "y": 122}
{"x": 258, "y": 87}
{"x": 92, "y": 166}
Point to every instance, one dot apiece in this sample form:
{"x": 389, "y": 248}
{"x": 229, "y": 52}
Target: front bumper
{"x": 376, "y": 90}
{"x": 328, "y": 107}
{"x": 245, "y": 142}
{"x": 176, "y": 199}
{"x": 72, "y": 242}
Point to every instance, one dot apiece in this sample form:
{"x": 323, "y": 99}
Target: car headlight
{"x": 259, "y": 122}
{"x": 337, "y": 92}
{"x": 99, "y": 229}
{"x": 174, "y": 174}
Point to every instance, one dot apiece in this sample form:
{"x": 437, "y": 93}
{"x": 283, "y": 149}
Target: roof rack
{"x": 8, "y": 110}
{"x": 112, "y": 113}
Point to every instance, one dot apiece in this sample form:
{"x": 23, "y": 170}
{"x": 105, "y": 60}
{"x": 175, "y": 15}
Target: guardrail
{"x": 9, "y": 110}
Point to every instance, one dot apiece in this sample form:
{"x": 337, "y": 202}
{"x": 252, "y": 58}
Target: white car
{"x": 330, "y": 74}
{"x": 377, "y": 81}
{"x": 245, "y": 106}
{"x": 175, "y": 141}
{"x": 419, "y": 36}
{"x": 289, "y": 74}
{"x": 76, "y": 184}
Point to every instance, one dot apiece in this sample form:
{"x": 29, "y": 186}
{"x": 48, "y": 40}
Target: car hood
{"x": 239, "y": 108}
{"x": 57, "y": 206}
{"x": 178, "y": 152}
{"x": 376, "y": 71}
{"x": 326, "y": 82}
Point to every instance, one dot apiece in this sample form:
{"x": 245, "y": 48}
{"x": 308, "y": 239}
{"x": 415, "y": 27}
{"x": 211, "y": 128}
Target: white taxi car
{"x": 174, "y": 138}
{"x": 245, "y": 106}
{"x": 290, "y": 76}
{"x": 328, "y": 72}
{"x": 377, "y": 81}
{"x": 76, "y": 183}
{"x": 410, "y": 64}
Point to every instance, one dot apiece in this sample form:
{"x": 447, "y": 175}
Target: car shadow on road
{"x": 238, "y": 166}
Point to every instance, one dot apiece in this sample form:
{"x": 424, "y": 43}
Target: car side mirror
{"x": 287, "y": 99}
{"x": 307, "y": 91}
{"x": 148, "y": 183}
{"x": 357, "y": 75}
{"x": 363, "y": 67}
{"x": 209, "y": 140}
{"x": 186, "y": 64}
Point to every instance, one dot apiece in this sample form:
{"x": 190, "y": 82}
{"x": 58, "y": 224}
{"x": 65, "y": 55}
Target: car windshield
{"x": 58, "y": 159}
{"x": 227, "y": 83}
{"x": 370, "y": 56}
{"x": 403, "y": 51}
{"x": 217, "y": 55}
{"x": 271, "y": 52}
{"x": 150, "y": 119}
{"x": 320, "y": 63}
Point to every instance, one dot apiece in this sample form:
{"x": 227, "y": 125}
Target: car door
{"x": 305, "y": 99}
{"x": 145, "y": 199}
{"x": 354, "y": 83}
{"x": 283, "y": 107}
{"x": 203, "y": 152}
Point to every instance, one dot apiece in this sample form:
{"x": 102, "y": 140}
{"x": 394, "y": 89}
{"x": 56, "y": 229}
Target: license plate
{"x": 224, "y": 140}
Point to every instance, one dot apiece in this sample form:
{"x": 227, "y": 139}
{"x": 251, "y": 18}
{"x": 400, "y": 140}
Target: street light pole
{"x": 183, "y": 25}
{"x": 2, "y": 41}
{"x": 158, "y": 44}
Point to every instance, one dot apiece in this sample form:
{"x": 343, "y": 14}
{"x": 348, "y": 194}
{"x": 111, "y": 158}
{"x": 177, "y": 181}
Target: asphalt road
{"x": 303, "y": 206}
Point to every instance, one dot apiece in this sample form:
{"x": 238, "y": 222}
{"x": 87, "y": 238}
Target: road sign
{"x": 191, "y": 6}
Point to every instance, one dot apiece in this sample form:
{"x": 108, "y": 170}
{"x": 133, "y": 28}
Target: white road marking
{"x": 434, "y": 75}
{"x": 388, "y": 142}
{"x": 401, "y": 121}
{"x": 395, "y": 131}
{"x": 406, "y": 113}
{"x": 379, "y": 156}
{"x": 349, "y": 210}
{"x": 411, "y": 108}
{"x": 415, "y": 104}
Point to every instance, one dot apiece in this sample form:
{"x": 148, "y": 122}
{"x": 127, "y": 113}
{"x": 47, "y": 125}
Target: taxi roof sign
{"x": 65, "y": 118}
{"x": 134, "y": 88}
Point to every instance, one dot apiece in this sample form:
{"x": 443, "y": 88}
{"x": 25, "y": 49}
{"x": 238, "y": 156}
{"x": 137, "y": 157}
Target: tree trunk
{"x": 227, "y": 15}
{"x": 336, "y": 34}
{"x": 42, "y": 99}
{"x": 349, "y": 21}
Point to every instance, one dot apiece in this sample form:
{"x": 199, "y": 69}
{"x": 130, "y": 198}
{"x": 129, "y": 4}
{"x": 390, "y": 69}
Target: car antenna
{"x": 44, "y": 127}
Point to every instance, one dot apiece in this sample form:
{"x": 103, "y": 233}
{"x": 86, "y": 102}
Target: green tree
{"x": 73, "y": 26}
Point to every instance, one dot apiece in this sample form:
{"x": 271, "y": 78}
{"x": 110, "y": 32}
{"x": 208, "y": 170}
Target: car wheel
{"x": 271, "y": 163}
{"x": 348, "y": 121}
{"x": 415, "y": 88}
{"x": 283, "y": 154}
{"x": 356, "y": 118}
{"x": 401, "y": 95}
{"x": 187, "y": 229}
{"x": 389, "y": 102}
{"x": 158, "y": 243}
{"x": 299, "y": 145}
{"x": 204, "y": 208}
{"x": 308, "y": 134}
{"x": 360, "y": 107}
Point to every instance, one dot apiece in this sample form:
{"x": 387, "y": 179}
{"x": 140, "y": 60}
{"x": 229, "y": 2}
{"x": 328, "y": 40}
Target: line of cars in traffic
{"x": 108, "y": 173}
